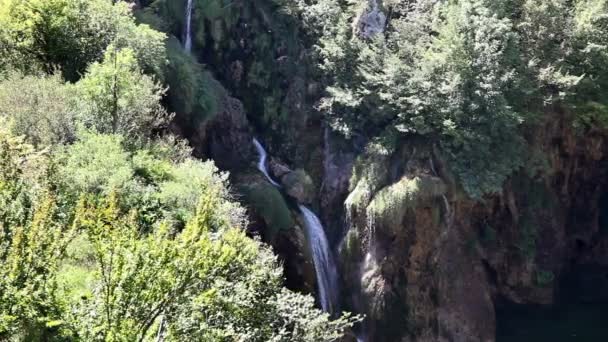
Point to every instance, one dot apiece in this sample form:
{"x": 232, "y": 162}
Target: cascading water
{"x": 325, "y": 268}
{"x": 188, "y": 30}
{"x": 262, "y": 161}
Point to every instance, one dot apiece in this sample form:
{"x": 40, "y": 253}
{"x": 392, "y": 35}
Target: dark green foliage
{"x": 172, "y": 14}
{"x": 193, "y": 93}
{"x": 70, "y": 34}
{"x": 268, "y": 201}
{"x": 464, "y": 74}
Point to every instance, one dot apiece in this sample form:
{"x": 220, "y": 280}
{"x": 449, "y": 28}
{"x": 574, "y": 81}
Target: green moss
{"x": 389, "y": 204}
{"x": 268, "y": 202}
{"x": 172, "y": 12}
{"x": 370, "y": 172}
{"x": 488, "y": 235}
{"x": 352, "y": 248}
{"x": 536, "y": 201}
{"x": 259, "y": 76}
{"x": 193, "y": 92}
{"x": 149, "y": 17}
{"x": 526, "y": 244}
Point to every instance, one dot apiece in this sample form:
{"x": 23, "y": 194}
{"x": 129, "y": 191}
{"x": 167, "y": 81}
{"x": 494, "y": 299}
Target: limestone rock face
{"x": 425, "y": 263}
{"x": 226, "y": 137}
{"x": 277, "y": 168}
{"x": 371, "y": 21}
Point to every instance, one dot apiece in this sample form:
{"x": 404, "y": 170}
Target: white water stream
{"x": 188, "y": 31}
{"x": 262, "y": 161}
{"x": 325, "y": 267}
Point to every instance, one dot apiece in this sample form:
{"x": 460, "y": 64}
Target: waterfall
{"x": 262, "y": 161}
{"x": 188, "y": 31}
{"x": 325, "y": 268}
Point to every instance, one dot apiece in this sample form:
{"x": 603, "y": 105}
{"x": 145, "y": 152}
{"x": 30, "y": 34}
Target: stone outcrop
{"x": 371, "y": 21}
{"x": 424, "y": 263}
{"x": 299, "y": 185}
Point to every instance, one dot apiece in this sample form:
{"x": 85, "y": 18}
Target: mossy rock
{"x": 370, "y": 173}
{"x": 193, "y": 92}
{"x": 299, "y": 185}
{"x": 389, "y": 205}
{"x": 351, "y": 250}
{"x": 269, "y": 204}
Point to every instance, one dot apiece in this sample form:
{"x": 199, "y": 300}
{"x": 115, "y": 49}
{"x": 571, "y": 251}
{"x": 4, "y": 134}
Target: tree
{"x": 32, "y": 243}
{"x": 38, "y": 108}
{"x": 115, "y": 96}
{"x": 71, "y": 34}
{"x": 93, "y": 269}
{"x": 145, "y": 178}
{"x": 207, "y": 282}
{"x": 463, "y": 75}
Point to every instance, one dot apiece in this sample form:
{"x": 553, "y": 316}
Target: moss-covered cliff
{"x": 420, "y": 255}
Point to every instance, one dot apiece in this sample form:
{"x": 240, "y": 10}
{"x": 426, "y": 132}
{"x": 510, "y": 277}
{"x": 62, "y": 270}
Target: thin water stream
{"x": 188, "y": 30}
{"x": 325, "y": 267}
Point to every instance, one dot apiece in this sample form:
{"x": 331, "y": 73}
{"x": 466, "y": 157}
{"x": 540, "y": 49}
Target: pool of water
{"x": 580, "y": 321}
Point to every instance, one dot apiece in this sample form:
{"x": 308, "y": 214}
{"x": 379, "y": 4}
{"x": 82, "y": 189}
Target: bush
{"x": 38, "y": 108}
{"x": 71, "y": 34}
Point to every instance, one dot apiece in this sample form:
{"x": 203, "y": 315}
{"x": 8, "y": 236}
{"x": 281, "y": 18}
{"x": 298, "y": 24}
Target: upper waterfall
{"x": 262, "y": 161}
{"x": 188, "y": 30}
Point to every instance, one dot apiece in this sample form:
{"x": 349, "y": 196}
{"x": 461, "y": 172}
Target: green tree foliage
{"x": 32, "y": 243}
{"x": 116, "y": 97}
{"x": 38, "y": 108}
{"x": 208, "y": 282}
{"x": 146, "y": 178}
{"x": 93, "y": 270}
{"x": 464, "y": 74}
{"x": 70, "y": 34}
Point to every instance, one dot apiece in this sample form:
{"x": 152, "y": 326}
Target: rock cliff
{"x": 418, "y": 257}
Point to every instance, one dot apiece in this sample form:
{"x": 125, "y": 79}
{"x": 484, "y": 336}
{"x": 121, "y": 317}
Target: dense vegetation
{"x": 109, "y": 229}
{"x": 468, "y": 75}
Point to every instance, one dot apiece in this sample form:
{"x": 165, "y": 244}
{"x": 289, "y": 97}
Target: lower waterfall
{"x": 325, "y": 267}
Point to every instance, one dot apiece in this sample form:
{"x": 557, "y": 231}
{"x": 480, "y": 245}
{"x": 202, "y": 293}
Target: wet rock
{"x": 292, "y": 248}
{"x": 277, "y": 168}
{"x": 226, "y": 138}
{"x": 299, "y": 185}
